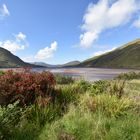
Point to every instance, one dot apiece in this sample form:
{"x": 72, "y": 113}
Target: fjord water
{"x": 89, "y": 74}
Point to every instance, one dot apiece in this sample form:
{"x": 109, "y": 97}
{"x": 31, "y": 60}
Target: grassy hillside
{"x": 127, "y": 56}
{"x": 72, "y": 63}
{"x": 8, "y": 60}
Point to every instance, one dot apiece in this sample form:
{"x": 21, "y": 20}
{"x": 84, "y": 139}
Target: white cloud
{"x": 102, "y": 52}
{"x": 106, "y": 14}
{"x": 18, "y": 43}
{"x": 29, "y": 58}
{"x": 12, "y": 46}
{"x": 47, "y": 52}
{"x": 4, "y": 11}
{"x": 42, "y": 54}
{"x": 137, "y": 23}
{"x": 20, "y": 36}
{"x": 87, "y": 39}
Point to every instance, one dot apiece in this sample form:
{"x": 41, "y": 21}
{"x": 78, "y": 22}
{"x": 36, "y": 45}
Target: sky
{"x": 59, "y": 31}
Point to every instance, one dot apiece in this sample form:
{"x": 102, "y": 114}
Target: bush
{"x": 9, "y": 119}
{"x": 112, "y": 106}
{"x": 39, "y": 116}
{"x": 99, "y": 87}
{"x": 25, "y": 86}
{"x": 83, "y": 86}
{"x": 67, "y": 94}
{"x": 63, "y": 79}
{"x": 129, "y": 76}
{"x": 116, "y": 87}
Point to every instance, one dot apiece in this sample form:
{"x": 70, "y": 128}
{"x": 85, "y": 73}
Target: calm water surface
{"x": 89, "y": 74}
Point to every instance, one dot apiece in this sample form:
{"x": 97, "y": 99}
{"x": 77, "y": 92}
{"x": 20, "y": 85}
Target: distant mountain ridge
{"x": 44, "y": 64}
{"x": 8, "y": 60}
{"x": 126, "y": 56}
{"x": 69, "y": 64}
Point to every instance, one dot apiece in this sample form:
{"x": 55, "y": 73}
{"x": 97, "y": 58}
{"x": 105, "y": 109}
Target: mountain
{"x": 69, "y": 64}
{"x": 44, "y": 64}
{"x": 126, "y": 56}
{"x": 8, "y": 60}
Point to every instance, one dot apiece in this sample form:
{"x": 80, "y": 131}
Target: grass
{"x": 83, "y": 123}
{"x": 103, "y": 110}
{"x": 63, "y": 79}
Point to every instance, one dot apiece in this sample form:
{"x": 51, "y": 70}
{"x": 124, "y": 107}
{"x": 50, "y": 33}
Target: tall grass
{"x": 103, "y": 110}
{"x": 102, "y": 113}
{"x": 108, "y": 121}
{"x": 63, "y": 79}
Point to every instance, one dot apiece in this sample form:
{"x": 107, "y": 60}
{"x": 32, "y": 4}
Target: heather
{"x": 39, "y": 106}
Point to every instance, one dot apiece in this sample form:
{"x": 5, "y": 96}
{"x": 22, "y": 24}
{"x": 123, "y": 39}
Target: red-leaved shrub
{"x": 25, "y": 86}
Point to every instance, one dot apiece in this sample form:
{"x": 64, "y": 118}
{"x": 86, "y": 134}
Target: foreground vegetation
{"x": 43, "y": 107}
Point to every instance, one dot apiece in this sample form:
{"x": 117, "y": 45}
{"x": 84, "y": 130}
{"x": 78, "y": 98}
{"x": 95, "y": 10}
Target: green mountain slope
{"x": 8, "y": 60}
{"x": 127, "y": 56}
{"x": 72, "y": 63}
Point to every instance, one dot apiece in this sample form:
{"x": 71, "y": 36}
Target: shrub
{"x": 129, "y": 76}
{"x": 67, "y": 94}
{"x": 40, "y": 115}
{"x": 63, "y": 79}
{"x": 99, "y": 87}
{"x": 83, "y": 86}
{"x": 116, "y": 87}
{"x": 9, "y": 119}
{"x": 25, "y": 86}
{"x": 112, "y": 106}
